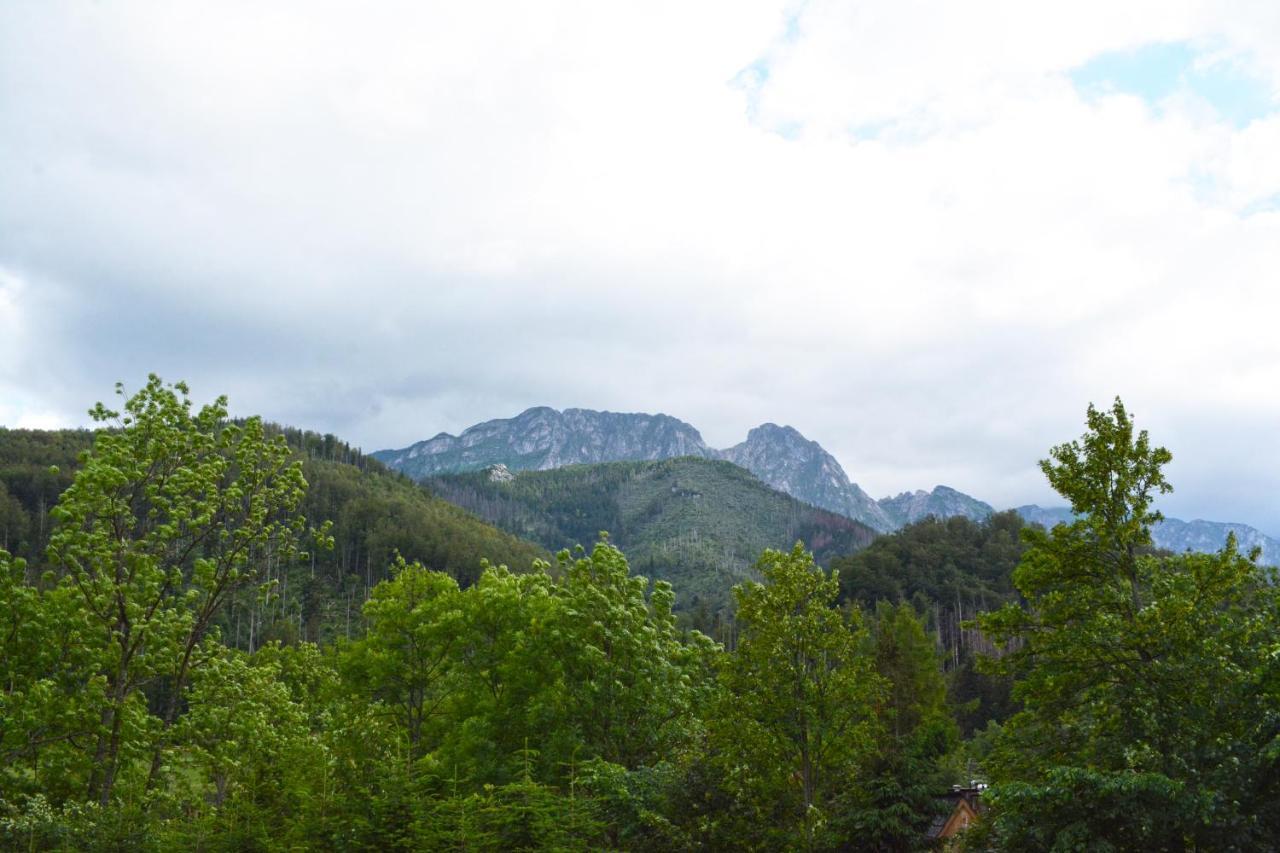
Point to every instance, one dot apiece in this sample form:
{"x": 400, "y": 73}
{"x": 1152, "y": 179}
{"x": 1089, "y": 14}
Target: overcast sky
{"x": 926, "y": 235}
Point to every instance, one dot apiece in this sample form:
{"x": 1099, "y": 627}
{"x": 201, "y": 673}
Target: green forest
{"x": 221, "y": 634}
{"x": 698, "y": 523}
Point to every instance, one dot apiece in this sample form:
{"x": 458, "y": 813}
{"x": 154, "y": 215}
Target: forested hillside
{"x": 374, "y": 514}
{"x": 160, "y": 688}
{"x": 950, "y": 572}
{"x": 698, "y": 523}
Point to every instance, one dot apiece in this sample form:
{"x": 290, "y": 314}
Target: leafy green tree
{"x": 798, "y": 718}
{"x": 170, "y": 513}
{"x": 587, "y": 664}
{"x": 49, "y": 694}
{"x": 1147, "y": 719}
{"x": 247, "y": 741}
{"x": 406, "y": 659}
{"x": 511, "y": 681}
{"x": 632, "y": 678}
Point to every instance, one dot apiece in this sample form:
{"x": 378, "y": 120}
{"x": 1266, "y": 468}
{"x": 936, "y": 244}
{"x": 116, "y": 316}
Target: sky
{"x": 927, "y": 235}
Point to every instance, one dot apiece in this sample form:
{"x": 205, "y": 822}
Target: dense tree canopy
{"x": 185, "y": 664}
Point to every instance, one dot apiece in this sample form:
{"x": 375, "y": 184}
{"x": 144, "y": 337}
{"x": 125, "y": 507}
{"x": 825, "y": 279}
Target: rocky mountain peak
{"x": 541, "y": 437}
{"x": 791, "y": 463}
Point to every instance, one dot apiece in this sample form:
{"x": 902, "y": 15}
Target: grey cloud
{"x": 385, "y": 226}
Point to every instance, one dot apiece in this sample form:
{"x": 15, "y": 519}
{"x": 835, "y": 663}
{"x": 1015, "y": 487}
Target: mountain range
{"x": 542, "y": 438}
{"x": 1176, "y": 535}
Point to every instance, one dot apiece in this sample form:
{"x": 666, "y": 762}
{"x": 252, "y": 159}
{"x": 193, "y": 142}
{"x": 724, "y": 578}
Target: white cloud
{"x": 392, "y": 221}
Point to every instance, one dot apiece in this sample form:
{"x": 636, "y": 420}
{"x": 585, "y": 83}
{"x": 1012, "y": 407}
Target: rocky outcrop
{"x": 500, "y": 474}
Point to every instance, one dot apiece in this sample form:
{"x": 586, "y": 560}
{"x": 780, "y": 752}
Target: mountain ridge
{"x": 542, "y": 438}
{"x": 1174, "y": 534}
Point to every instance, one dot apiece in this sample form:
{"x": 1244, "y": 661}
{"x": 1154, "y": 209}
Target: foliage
{"x": 1143, "y": 676}
{"x": 797, "y": 721}
{"x": 36, "y": 466}
{"x": 950, "y": 571}
{"x": 938, "y": 561}
{"x": 158, "y": 692}
{"x": 586, "y": 664}
{"x": 1077, "y": 808}
{"x": 167, "y": 517}
{"x": 374, "y": 515}
{"x": 50, "y": 694}
{"x": 404, "y": 662}
{"x": 897, "y": 796}
{"x": 246, "y": 750}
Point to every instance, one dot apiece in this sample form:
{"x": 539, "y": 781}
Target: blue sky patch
{"x": 1270, "y": 204}
{"x": 1156, "y": 71}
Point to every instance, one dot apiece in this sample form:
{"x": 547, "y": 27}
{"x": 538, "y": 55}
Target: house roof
{"x": 967, "y": 806}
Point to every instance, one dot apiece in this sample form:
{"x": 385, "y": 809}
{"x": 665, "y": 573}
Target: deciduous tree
{"x": 170, "y": 513}
{"x": 798, "y": 719}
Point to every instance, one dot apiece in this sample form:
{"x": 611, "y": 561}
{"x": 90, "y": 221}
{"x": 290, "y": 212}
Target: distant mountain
{"x": 942, "y": 502}
{"x": 791, "y": 463}
{"x": 698, "y": 523}
{"x": 1174, "y": 534}
{"x": 541, "y": 438}
{"x": 1199, "y": 535}
{"x": 1045, "y": 517}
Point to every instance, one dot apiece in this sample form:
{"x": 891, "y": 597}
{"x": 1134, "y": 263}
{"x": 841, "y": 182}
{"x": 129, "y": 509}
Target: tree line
{"x": 566, "y": 707}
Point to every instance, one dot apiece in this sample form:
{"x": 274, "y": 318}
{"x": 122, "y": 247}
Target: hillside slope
{"x": 700, "y": 524}
{"x": 375, "y": 513}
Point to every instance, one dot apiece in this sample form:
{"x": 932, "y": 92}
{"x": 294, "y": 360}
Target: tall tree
{"x": 798, "y": 718}
{"x": 170, "y": 513}
{"x": 1148, "y": 722}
